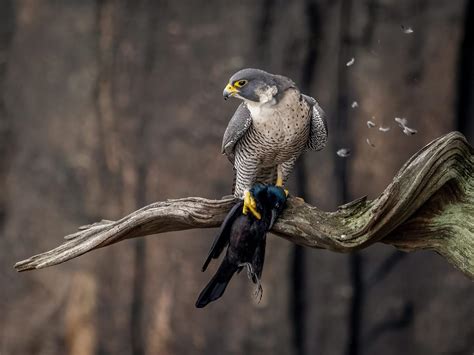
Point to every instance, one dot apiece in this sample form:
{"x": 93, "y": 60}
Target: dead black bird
{"x": 246, "y": 237}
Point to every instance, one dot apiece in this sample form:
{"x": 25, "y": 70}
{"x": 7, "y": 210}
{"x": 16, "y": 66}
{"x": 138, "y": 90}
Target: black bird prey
{"x": 245, "y": 236}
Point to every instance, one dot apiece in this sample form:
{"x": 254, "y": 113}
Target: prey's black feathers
{"x": 222, "y": 238}
{"x": 246, "y": 239}
{"x": 216, "y": 287}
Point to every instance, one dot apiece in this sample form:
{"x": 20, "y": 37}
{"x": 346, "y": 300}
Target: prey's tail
{"x": 216, "y": 287}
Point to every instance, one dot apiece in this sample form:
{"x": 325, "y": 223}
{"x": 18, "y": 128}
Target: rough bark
{"x": 428, "y": 205}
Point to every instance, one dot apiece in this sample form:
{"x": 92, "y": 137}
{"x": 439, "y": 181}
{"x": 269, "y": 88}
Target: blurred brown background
{"x": 108, "y": 105}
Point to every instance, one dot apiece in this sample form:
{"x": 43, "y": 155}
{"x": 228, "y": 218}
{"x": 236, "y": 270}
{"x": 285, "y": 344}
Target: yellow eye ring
{"x": 240, "y": 83}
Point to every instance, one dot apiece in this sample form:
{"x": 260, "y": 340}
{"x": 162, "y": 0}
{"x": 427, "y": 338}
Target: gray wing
{"x": 238, "y": 125}
{"x": 318, "y": 134}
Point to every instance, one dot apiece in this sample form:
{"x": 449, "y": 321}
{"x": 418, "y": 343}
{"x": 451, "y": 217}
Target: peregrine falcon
{"x": 270, "y": 129}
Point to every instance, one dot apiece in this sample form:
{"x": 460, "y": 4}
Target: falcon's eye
{"x": 240, "y": 83}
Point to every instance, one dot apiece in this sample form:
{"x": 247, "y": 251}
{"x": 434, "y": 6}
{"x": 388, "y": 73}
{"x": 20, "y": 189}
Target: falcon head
{"x": 255, "y": 85}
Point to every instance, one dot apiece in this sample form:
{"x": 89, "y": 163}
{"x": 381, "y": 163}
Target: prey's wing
{"x": 222, "y": 238}
{"x": 258, "y": 259}
{"x": 238, "y": 125}
{"x": 318, "y": 134}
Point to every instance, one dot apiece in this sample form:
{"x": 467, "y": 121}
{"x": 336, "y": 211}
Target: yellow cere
{"x": 230, "y": 88}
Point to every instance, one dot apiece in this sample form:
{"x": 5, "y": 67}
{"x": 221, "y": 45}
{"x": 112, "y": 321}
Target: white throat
{"x": 266, "y": 100}
{"x": 267, "y": 94}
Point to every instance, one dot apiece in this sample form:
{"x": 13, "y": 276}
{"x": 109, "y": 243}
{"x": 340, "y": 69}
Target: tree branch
{"x": 428, "y": 205}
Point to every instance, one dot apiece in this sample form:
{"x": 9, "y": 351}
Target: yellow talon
{"x": 286, "y": 192}
{"x": 250, "y": 205}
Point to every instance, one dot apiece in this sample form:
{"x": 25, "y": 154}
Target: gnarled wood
{"x": 428, "y": 205}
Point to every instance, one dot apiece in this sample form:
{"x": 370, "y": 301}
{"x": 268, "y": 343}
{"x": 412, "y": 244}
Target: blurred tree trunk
{"x": 6, "y": 33}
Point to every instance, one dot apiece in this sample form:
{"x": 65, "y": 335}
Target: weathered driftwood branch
{"x": 429, "y": 205}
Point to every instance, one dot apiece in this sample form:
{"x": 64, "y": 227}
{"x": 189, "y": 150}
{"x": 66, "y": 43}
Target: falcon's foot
{"x": 250, "y": 205}
{"x": 279, "y": 183}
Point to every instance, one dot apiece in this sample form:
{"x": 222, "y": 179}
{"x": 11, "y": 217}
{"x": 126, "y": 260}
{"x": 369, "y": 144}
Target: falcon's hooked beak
{"x": 229, "y": 91}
